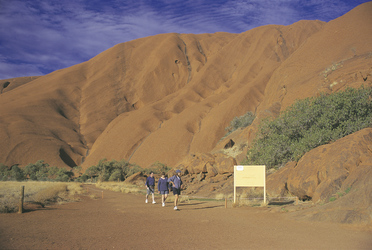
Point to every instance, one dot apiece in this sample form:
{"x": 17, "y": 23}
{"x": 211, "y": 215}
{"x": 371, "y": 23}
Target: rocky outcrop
{"x": 337, "y": 174}
{"x": 207, "y": 175}
{"x": 208, "y": 164}
{"x": 136, "y": 179}
{"x": 163, "y": 97}
{"x": 325, "y": 170}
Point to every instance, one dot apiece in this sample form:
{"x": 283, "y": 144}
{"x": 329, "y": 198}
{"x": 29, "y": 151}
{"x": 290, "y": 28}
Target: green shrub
{"x": 347, "y": 190}
{"x": 119, "y": 170}
{"x": 63, "y": 175}
{"x": 4, "y": 172}
{"x": 16, "y": 173}
{"x": 38, "y": 171}
{"x": 53, "y": 172}
{"x": 240, "y": 122}
{"x": 116, "y": 175}
{"x": 332, "y": 199}
{"x": 82, "y": 178}
{"x": 112, "y": 170}
{"x": 310, "y": 123}
{"x": 157, "y": 167}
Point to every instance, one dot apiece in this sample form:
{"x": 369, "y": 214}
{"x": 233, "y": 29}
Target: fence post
{"x": 225, "y": 202}
{"x": 20, "y": 210}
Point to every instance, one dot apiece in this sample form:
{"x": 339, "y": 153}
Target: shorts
{"x": 176, "y": 191}
{"x": 164, "y": 192}
{"x": 150, "y": 189}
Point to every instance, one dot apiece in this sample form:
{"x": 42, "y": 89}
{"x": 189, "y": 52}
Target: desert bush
{"x": 116, "y": 175}
{"x": 240, "y": 122}
{"x": 41, "y": 171}
{"x": 82, "y": 178}
{"x": 3, "y": 172}
{"x": 63, "y": 175}
{"x": 37, "y": 171}
{"x": 157, "y": 167}
{"x": 52, "y": 172}
{"x": 13, "y": 173}
{"x": 310, "y": 123}
{"x": 16, "y": 173}
{"x": 112, "y": 170}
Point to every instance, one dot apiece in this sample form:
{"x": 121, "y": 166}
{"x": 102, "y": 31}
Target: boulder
{"x": 224, "y": 164}
{"x": 276, "y": 184}
{"x": 338, "y": 176}
{"x": 209, "y": 164}
{"x": 196, "y": 163}
{"x": 136, "y": 179}
{"x": 211, "y": 171}
{"x": 321, "y": 172}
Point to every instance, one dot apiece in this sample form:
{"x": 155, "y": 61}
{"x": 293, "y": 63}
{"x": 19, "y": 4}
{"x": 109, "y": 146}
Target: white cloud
{"x": 9, "y": 70}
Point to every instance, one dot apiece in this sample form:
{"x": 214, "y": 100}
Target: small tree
{"x": 63, "y": 175}
{"x": 16, "y": 173}
{"x": 37, "y": 171}
{"x": 240, "y": 122}
{"x": 310, "y": 123}
{"x": 4, "y": 172}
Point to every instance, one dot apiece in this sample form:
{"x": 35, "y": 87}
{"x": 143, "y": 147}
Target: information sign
{"x": 250, "y": 176}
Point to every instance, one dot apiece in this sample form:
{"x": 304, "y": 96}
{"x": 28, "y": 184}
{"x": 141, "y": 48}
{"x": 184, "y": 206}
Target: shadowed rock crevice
{"x": 189, "y": 69}
{"x": 66, "y": 158}
{"x": 6, "y": 84}
{"x": 229, "y": 144}
{"x": 201, "y": 51}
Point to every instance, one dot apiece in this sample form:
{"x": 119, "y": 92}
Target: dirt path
{"x": 124, "y": 221}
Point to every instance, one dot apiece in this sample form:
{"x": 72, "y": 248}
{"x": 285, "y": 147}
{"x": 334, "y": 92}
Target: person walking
{"x": 150, "y": 185}
{"x": 163, "y": 188}
{"x": 176, "y": 182}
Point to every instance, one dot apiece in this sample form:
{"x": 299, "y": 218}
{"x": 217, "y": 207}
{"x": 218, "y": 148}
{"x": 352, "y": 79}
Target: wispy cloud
{"x": 40, "y": 36}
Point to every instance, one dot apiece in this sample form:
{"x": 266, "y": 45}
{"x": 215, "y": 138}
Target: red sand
{"x": 124, "y": 221}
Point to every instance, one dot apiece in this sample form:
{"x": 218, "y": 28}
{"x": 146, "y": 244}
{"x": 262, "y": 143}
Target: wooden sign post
{"x": 21, "y": 199}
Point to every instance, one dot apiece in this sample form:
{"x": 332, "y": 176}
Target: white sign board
{"x": 250, "y": 176}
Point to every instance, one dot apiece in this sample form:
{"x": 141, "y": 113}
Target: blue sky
{"x": 41, "y": 36}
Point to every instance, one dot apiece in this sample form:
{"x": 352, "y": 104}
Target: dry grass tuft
{"x": 253, "y": 197}
{"x": 221, "y": 196}
{"x": 50, "y": 194}
{"x": 94, "y": 196}
{"x": 120, "y": 187}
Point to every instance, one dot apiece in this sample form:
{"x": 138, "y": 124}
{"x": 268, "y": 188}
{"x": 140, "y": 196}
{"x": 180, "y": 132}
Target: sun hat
{"x": 178, "y": 171}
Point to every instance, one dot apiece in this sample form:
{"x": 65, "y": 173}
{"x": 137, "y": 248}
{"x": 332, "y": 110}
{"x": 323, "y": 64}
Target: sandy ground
{"x": 124, "y": 221}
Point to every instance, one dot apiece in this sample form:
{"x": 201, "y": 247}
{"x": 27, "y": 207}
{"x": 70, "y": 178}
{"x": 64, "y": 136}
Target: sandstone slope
{"x": 161, "y": 98}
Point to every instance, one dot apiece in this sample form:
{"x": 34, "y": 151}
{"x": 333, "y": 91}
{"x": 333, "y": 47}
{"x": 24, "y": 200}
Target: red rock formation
{"x": 161, "y": 98}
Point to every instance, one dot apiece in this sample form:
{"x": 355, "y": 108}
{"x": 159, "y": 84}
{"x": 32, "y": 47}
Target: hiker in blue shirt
{"x": 176, "y": 182}
{"x": 163, "y": 188}
{"x": 150, "y": 185}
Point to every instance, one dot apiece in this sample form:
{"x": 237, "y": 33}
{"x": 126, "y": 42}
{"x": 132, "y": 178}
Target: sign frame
{"x": 250, "y": 176}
